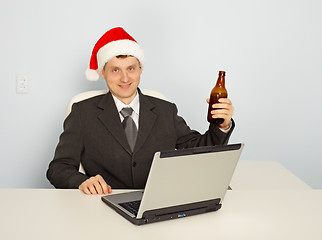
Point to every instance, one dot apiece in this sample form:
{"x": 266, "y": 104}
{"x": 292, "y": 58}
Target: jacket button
{"x": 134, "y": 164}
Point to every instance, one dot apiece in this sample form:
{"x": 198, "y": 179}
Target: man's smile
{"x": 125, "y": 86}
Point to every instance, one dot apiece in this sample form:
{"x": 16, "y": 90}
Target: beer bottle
{"x": 219, "y": 91}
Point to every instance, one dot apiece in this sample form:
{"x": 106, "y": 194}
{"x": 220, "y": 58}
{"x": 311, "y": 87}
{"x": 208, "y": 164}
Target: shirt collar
{"x": 135, "y": 104}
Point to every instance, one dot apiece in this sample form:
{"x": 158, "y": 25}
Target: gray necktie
{"x": 129, "y": 126}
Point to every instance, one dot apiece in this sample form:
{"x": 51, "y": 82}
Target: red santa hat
{"x": 113, "y": 43}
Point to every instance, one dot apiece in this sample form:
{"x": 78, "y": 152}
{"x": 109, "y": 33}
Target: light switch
{"x": 22, "y": 83}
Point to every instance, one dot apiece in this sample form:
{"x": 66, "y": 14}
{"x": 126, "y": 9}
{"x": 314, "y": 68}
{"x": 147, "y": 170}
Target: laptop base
{"x": 170, "y": 213}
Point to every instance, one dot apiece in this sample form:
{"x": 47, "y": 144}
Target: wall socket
{"x": 22, "y": 83}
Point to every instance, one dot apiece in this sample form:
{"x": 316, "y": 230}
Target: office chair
{"x": 85, "y": 95}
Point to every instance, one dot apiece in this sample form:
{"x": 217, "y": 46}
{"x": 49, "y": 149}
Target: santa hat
{"x": 113, "y": 43}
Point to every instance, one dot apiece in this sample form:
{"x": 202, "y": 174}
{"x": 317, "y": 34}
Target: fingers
{"x": 223, "y": 107}
{"x": 105, "y": 188}
{"x": 219, "y": 108}
{"x": 225, "y": 110}
{"x": 225, "y": 100}
{"x": 95, "y": 185}
{"x": 221, "y": 100}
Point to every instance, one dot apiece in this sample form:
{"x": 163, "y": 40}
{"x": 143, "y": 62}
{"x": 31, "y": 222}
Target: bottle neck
{"x": 221, "y": 81}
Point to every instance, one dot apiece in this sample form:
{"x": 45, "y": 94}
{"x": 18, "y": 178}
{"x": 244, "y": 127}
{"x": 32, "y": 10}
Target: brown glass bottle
{"x": 219, "y": 91}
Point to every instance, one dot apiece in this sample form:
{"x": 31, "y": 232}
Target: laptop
{"x": 181, "y": 183}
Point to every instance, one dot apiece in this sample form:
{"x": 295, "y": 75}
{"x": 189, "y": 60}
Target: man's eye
{"x": 131, "y": 68}
{"x": 115, "y": 70}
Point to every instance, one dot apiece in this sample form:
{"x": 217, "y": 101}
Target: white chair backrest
{"x": 85, "y": 95}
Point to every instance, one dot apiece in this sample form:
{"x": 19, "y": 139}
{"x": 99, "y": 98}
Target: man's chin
{"x": 125, "y": 96}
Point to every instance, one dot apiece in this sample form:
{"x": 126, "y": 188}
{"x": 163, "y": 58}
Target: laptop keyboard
{"x": 132, "y": 207}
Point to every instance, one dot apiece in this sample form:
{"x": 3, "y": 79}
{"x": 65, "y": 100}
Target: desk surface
{"x": 253, "y": 174}
{"x": 246, "y": 214}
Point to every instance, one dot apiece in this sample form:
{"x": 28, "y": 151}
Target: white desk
{"x": 246, "y": 214}
{"x": 252, "y": 174}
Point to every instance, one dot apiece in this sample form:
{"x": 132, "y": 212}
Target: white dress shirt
{"x": 135, "y": 105}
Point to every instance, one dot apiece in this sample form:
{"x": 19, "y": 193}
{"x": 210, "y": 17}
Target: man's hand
{"x": 95, "y": 185}
{"x": 225, "y": 111}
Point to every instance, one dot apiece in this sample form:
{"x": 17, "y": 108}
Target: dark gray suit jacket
{"x": 93, "y": 135}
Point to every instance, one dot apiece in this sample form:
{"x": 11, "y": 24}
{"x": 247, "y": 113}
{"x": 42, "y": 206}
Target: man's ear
{"x": 102, "y": 74}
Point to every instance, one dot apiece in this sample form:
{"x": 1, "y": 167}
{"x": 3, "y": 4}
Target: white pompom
{"x": 91, "y": 75}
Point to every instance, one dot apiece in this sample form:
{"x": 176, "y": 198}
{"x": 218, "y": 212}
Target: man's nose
{"x": 125, "y": 77}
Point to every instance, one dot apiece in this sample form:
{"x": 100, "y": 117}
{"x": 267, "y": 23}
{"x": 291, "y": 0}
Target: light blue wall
{"x": 271, "y": 50}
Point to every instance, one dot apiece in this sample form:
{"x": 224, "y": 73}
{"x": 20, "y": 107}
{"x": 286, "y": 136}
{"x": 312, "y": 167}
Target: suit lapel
{"x": 111, "y": 120}
{"x": 147, "y": 119}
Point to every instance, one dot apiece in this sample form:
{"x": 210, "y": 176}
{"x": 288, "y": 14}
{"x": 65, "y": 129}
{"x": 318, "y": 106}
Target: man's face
{"x": 122, "y": 76}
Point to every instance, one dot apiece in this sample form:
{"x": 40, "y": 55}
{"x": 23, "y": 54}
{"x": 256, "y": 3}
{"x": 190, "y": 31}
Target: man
{"x": 116, "y": 150}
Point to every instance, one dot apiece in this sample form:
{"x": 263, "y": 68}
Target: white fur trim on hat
{"x": 116, "y": 48}
{"x": 92, "y": 75}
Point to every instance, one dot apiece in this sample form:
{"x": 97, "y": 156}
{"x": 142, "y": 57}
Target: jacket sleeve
{"x": 63, "y": 169}
{"x": 187, "y": 138}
